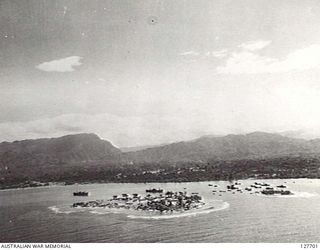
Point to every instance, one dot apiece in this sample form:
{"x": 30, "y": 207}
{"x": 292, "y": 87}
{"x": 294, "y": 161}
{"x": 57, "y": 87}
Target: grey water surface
{"x": 35, "y": 215}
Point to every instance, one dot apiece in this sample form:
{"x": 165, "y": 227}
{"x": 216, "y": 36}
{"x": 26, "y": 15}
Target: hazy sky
{"x": 146, "y": 72}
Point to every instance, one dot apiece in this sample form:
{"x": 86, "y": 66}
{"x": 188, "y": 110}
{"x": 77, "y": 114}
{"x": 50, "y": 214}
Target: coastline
{"x": 62, "y": 184}
{"x": 38, "y": 187}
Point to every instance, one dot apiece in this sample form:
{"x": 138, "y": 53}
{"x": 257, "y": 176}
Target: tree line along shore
{"x": 275, "y": 168}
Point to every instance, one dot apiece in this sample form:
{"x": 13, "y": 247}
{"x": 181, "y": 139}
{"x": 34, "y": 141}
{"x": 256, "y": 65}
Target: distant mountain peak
{"x": 261, "y": 133}
{"x": 243, "y": 146}
{"x": 83, "y": 134}
{"x": 54, "y": 156}
{"x": 68, "y": 149}
{"x": 80, "y": 136}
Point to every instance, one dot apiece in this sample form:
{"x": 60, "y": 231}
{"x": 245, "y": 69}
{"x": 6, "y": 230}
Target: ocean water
{"x": 44, "y": 215}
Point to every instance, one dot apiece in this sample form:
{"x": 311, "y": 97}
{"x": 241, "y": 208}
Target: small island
{"x": 168, "y": 202}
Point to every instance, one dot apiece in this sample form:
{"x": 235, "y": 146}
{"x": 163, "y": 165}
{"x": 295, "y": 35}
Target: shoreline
{"x": 62, "y": 184}
{"x": 209, "y": 207}
{"x": 38, "y": 187}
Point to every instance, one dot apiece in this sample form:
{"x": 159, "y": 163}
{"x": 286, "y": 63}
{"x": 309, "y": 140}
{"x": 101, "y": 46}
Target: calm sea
{"x": 44, "y": 215}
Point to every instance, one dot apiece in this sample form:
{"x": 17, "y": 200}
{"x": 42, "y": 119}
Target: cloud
{"x": 233, "y": 109}
{"x": 150, "y": 129}
{"x": 60, "y": 65}
{"x": 218, "y": 53}
{"x": 67, "y": 128}
{"x": 254, "y": 45}
{"x": 142, "y": 131}
{"x": 190, "y": 53}
{"x": 248, "y": 62}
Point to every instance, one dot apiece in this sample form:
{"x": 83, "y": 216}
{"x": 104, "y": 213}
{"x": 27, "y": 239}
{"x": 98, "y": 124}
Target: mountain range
{"x": 248, "y": 146}
{"x": 80, "y": 148}
{"x": 55, "y": 155}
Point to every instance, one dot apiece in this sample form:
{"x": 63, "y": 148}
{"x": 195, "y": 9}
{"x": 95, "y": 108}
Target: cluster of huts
{"x": 166, "y": 202}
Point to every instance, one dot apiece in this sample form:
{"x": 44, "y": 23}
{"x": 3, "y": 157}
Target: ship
{"x": 81, "y": 193}
{"x": 273, "y": 192}
{"x": 153, "y": 190}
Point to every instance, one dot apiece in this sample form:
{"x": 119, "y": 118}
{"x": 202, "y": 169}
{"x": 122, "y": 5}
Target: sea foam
{"x": 207, "y": 210}
{"x": 62, "y": 210}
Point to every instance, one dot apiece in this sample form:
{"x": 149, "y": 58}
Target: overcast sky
{"x": 147, "y": 72}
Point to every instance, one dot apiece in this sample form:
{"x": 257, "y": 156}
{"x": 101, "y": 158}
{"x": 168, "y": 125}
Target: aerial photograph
{"x": 159, "y": 121}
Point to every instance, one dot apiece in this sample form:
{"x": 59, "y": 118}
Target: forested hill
{"x": 230, "y": 147}
{"x": 86, "y": 157}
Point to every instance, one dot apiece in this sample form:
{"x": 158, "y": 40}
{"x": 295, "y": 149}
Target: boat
{"x": 265, "y": 185}
{"x": 153, "y": 190}
{"x": 231, "y": 187}
{"x": 281, "y": 186}
{"x": 80, "y": 193}
{"x": 273, "y": 192}
{"x": 287, "y": 192}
